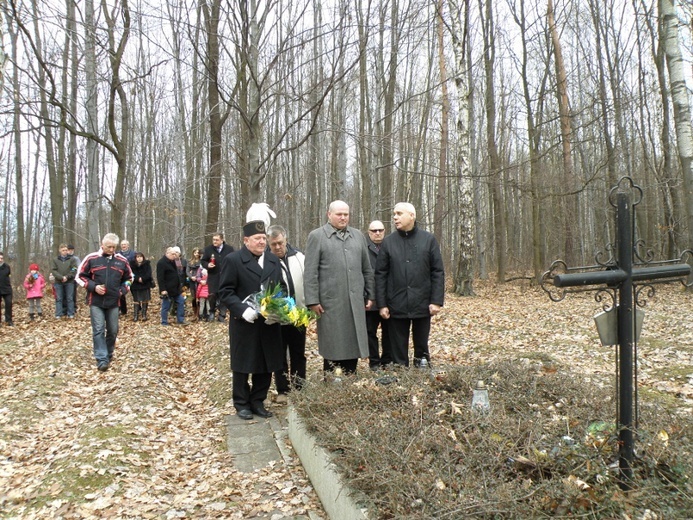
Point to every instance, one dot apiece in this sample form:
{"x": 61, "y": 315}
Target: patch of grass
{"x": 418, "y": 450}
{"x": 666, "y": 400}
{"x": 673, "y": 373}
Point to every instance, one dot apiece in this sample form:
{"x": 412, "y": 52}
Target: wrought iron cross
{"x": 623, "y": 278}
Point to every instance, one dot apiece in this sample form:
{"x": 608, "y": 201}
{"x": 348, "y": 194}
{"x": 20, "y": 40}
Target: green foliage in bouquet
{"x": 276, "y": 307}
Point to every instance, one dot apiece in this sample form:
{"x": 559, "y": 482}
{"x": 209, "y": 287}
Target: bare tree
{"x": 679, "y": 95}
{"x": 21, "y": 249}
{"x": 494, "y": 162}
{"x": 118, "y": 105}
{"x": 93, "y": 192}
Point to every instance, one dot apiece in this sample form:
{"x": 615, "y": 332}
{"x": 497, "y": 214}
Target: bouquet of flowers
{"x": 276, "y": 307}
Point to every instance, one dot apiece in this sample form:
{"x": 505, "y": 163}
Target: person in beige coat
{"x": 339, "y": 286}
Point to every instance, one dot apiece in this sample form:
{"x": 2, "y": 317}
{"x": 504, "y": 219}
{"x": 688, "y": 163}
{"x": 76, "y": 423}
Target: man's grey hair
{"x": 406, "y": 206}
{"x": 276, "y": 231}
{"x": 110, "y": 238}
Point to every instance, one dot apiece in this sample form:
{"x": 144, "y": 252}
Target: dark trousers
{"x": 399, "y": 339}
{"x": 247, "y": 397}
{"x": 294, "y": 370}
{"x": 7, "y": 299}
{"x": 215, "y": 304}
{"x": 348, "y": 366}
{"x": 123, "y": 304}
{"x": 375, "y": 358}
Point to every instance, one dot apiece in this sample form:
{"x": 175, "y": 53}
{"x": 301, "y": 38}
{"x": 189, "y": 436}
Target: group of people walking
{"x": 353, "y": 283}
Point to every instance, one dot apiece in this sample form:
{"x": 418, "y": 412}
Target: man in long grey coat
{"x": 339, "y": 287}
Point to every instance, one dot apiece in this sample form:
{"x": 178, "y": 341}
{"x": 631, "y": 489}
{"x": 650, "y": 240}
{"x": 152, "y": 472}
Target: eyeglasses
{"x": 376, "y": 230}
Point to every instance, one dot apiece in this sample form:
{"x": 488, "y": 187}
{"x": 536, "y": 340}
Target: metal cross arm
{"x": 610, "y": 277}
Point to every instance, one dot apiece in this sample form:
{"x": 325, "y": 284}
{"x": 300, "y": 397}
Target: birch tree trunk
{"x": 464, "y": 271}
{"x": 682, "y": 109}
{"x": 93, "y": 201}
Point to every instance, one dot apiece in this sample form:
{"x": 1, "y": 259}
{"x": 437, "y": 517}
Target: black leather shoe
{"x": 260, "y": 411}
{"x": 102, "y": 366}
{"x": 246, "y": 415}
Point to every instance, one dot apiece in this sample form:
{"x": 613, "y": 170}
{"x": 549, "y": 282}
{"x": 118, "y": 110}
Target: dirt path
{"x": 144, "y": 440}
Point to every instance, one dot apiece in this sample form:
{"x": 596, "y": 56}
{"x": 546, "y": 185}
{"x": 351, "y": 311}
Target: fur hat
{"x": 254, "y": 227}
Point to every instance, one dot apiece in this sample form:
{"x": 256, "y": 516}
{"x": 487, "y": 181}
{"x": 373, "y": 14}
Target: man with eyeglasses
{"x": 376, "y": 358}
{"x": 106, "y": 275}
{"x": 410, "y": 285}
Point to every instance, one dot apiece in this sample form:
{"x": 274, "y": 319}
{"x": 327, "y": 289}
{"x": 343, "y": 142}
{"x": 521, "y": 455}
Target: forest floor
{"x": 146, "y": 439}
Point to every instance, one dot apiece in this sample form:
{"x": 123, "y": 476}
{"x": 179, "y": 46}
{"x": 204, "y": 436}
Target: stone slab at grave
{"x": 622, "y": 283}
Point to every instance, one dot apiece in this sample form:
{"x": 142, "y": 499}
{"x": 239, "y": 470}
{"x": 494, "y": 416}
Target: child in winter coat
{"x": 34, "y": 283}
{"x": 202, "y": 294}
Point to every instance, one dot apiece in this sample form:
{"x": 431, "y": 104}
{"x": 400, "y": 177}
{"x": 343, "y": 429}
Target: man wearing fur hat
{"x": 256, "y": 347}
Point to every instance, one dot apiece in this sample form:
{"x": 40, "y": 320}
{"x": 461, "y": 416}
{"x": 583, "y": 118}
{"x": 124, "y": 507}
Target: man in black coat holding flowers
{"x": 256, "y": 347}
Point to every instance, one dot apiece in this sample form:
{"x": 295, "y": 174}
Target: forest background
{"x": 505, "y": 123}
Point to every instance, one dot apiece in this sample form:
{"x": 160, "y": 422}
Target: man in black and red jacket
{"x": 106, "y": 275}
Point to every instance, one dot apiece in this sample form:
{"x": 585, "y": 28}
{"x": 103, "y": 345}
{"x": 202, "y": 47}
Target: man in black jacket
{"x": 170, "y": 285}
{"x": 256, "y": 347}
{"x": 211, "y": 260}
{"x": 376, "y": 358}
{"x": 409, "y": 285}
{"x": 64, "y": 271}
{"x": 6, "y": 289}
{"x": 106, "y": 275}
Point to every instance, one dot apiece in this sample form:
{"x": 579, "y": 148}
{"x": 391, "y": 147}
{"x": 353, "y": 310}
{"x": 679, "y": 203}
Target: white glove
{"x": 249, "y": 315}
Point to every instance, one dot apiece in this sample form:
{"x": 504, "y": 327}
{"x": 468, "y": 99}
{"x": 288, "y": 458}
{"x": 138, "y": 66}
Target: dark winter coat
{"x": 141, "y": 271}
{"x": 64, "y": 266}
{"x": 167, "y": 277}
{"x": 409, "y": 274}
{"x": 256, "y": 348}
{"x": 5, "y": 282}
{"x": 113, "y": 271}
{"x": 373, "y": 257}
{"x": 214, "y": 274}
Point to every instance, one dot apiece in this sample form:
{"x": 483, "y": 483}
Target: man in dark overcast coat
{"x": 212, "y": 258}
{"x": 256, "y": 348}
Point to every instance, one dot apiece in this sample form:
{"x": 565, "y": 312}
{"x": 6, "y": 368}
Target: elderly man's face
{"x": 376, "y": 231}
{"x": 171, "y": 255}
{"x": 109, "y": 247}
{"x": 339, "y": 216}
{"x": 124, "y": 245}
{"x": 256, "y": 244}
{"x": 404, "y": 221}
{"x": 278, "y": 245}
